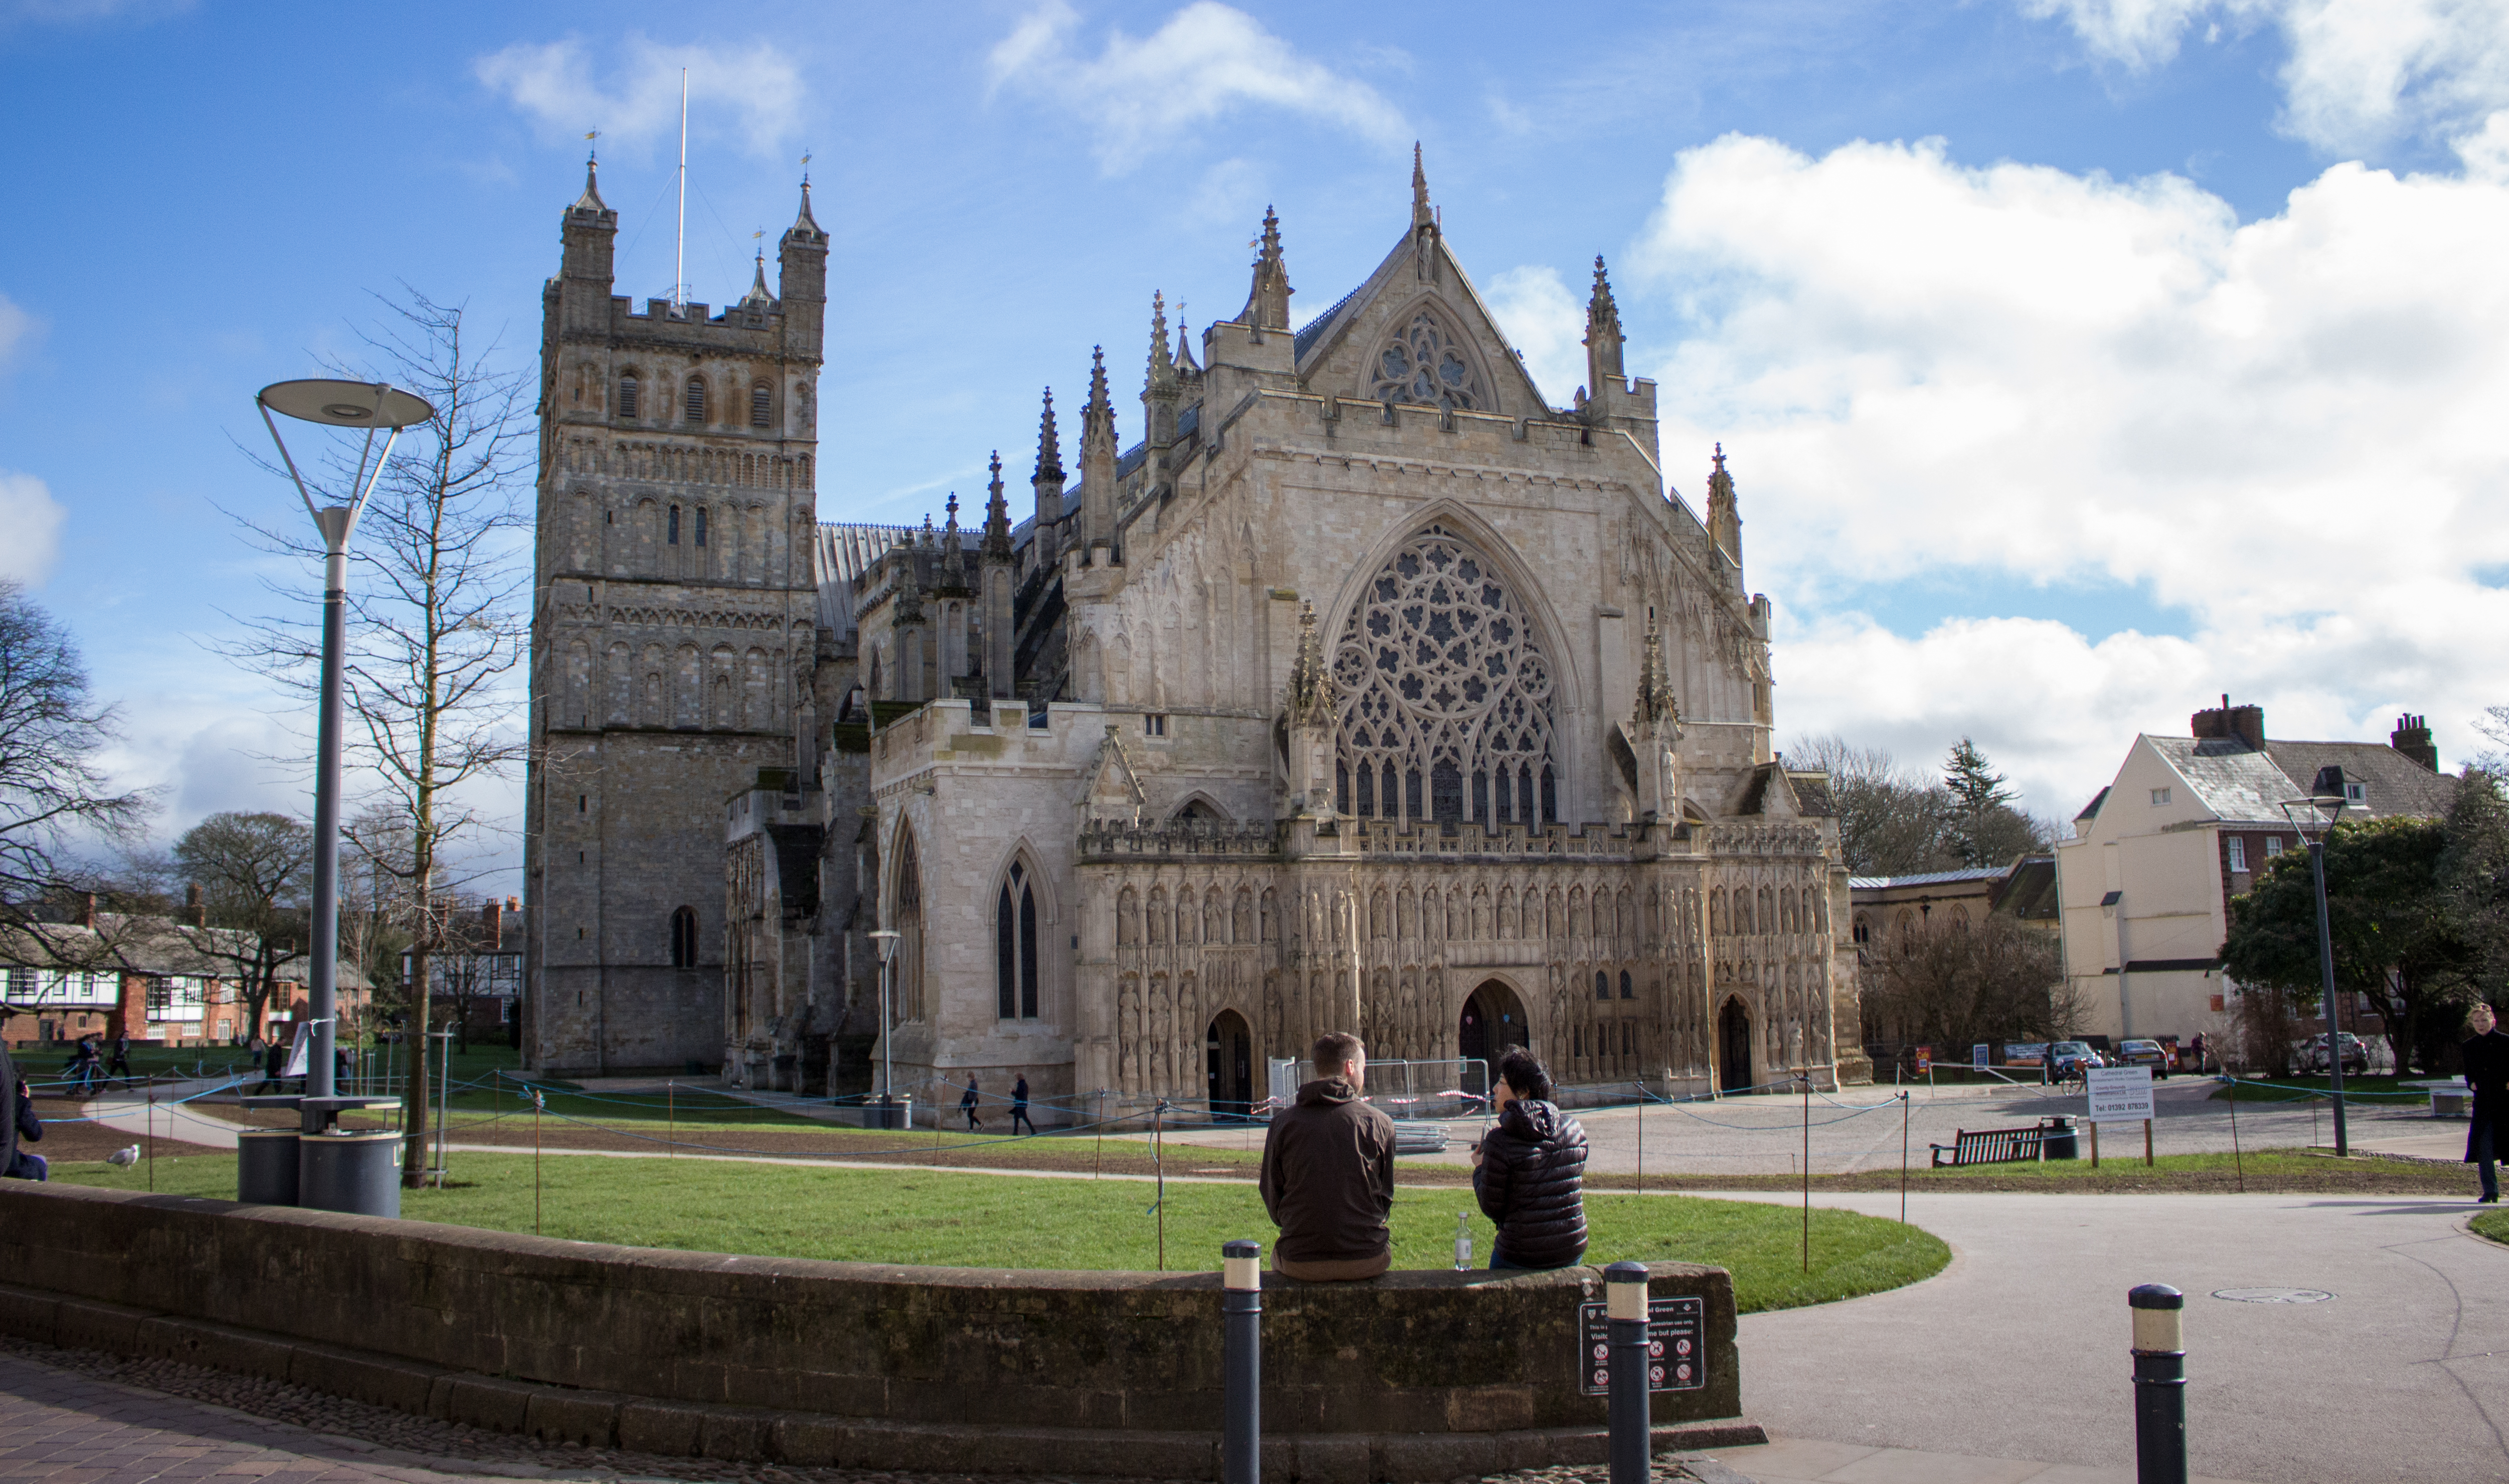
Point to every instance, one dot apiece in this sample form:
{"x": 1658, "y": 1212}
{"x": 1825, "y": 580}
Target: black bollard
{"x": 1624, "y": 1296}
{"x": 1241, "y": 1306}
{"x": 2159, "y": 1385}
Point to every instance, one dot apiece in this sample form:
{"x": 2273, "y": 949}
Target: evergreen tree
{"x": 1985, "y": 829}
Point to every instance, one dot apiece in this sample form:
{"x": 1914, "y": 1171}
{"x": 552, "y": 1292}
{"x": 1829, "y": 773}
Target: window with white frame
{"x": 2274, "y": 846}
{"x": 2238, "y": 854}
{"x": 2159, "y": 797}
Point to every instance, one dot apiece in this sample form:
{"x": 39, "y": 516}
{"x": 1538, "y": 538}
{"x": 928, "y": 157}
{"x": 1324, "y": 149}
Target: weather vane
{"x": 593, "y": 135}
{"x": 805, "y": 167}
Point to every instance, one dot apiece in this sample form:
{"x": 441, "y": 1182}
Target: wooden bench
{"x": 1990, "y": 1146}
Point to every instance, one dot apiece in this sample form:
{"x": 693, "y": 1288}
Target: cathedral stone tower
{"x": 672, "y": 634}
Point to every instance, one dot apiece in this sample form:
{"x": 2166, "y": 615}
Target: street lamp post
{"x": 885, "y": 939}
{"x": 369, "y": 406}
{"x": 2321, "y": 808}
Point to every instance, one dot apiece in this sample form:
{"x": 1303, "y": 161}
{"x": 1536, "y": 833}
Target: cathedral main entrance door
{"x": 1734, "y": 1047}
{"x": 1492, "y": 1021}
{"x": 1229, "y": 1051}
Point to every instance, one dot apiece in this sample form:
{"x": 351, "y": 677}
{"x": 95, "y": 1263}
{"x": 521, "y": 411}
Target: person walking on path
{"x": 967, "y": 1106}
{"x": 272, "y": 1062}
{"x": 1328, "y": 1178}
{"x": 84, "y": 1061}
{"x": 119, "y": 1068}
{"x": 1019, "y": 1105}
{"x": 1529, "y": 1172}
{"x": 2486, "y": 1072}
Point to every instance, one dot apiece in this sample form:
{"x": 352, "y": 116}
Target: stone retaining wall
{"x": 1414, "y": 1376}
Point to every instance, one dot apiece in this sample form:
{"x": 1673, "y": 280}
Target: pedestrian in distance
{"x": 273, "y": 1062}
{"x": 2486, "y": 1072}
{"x": 1019, "y": 1105}
{"x": 23, "y": 1163}
{"x": 85, "y": 1062}
{"x": 1328, "y": 1178}
{"x": 967, "y": 1106}
{"x": 1530, "y": 1171}
{"x": 119, "y": 1068}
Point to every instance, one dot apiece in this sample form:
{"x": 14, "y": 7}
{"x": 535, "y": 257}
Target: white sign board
{"x": 1977, "y": 1055}
{"x": 2119, "y": 1094}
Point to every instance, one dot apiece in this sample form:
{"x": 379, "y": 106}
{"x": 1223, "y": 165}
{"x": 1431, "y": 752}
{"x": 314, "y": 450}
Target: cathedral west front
{"x": 1357, "y": 685}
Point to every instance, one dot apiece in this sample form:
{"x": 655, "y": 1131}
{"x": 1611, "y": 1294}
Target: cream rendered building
{"x": 1367, "y": 691}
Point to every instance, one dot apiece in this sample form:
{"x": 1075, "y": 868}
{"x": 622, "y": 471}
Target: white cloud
{"x": 17, "y": 328}
{"x": 34, "y": 520}
{"x": 2360, "y": 74}
{"x": 638, "y": 102}
{"x": 1542, "y": 318}
{"x": 1206, "y": 61}
{"x": 2284, "y": 430}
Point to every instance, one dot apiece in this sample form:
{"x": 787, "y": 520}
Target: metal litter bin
{"x": 266, "y": 1167}
{"x": 2059, "y": 1141}
{"x": 891, "y": 1113}
{"x": 355, "y": 1173}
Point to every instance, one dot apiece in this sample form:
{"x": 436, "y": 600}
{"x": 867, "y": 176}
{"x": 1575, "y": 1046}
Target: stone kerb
{"x": 1414, "y": 1376}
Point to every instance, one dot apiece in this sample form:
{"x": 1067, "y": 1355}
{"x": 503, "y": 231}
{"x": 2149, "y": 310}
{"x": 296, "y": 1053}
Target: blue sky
{"x": 2080, "y": 360}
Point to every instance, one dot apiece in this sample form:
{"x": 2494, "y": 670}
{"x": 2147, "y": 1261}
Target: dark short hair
{"x": 1333, "y": 1051}
{"x": 1523, "y": 1070}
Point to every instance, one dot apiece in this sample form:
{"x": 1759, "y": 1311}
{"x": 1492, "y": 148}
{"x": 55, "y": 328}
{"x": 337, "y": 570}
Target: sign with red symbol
{"x": 1677, "y": 1346}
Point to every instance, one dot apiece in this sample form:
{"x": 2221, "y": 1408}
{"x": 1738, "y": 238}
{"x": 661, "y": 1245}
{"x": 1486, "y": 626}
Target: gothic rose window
{"x": 1444, "y": 698}
{"x": 1425, "y": 362}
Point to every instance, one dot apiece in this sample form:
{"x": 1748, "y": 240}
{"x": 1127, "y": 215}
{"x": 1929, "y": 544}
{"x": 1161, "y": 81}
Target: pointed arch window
{"x": 1439, "y": 680}
{"x": 695, "y": 407}
{"x": 700, "y": 524}
{"x": 684, "y": 939}
{"x": 674, "y": 538}
{"x": 627, "y": 396}
{"x": 1425, "y": 362}
{"x": 1015, "y": 962}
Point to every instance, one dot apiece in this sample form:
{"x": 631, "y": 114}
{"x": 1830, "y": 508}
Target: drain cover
{"x": 2273, "y": 1295}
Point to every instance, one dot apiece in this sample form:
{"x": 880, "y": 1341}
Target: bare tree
{"x": 1955, "y": 984}
{"x": 255, "y": 872}
{"x": 53, "y": 795}
{"x": 1891, "y": 820}
{"x": 438, "y": 623}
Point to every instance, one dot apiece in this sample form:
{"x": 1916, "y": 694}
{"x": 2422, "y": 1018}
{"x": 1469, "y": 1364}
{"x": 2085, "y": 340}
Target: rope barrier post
{"x": 2238, "y": 1166}
{"x": 1098, "y": 1160}
{"x": 151, "y": 1139}
{"x": 1903, "y": 1159}
{"x": 2095, "y": 1143}
{"x": 1641, "y": 1138}
{"x": 1241, "y": 1306}
{"x": 1625, "y": 1290}
{"x": 1158, "y": 1162}
{"x": 671, "y": 1112}
{"x": 1804, "y": 1081}
{"x": 2146, "y": 1144}
{"x": 2160, "y": 1383}
{"x": 539, "y": 1105}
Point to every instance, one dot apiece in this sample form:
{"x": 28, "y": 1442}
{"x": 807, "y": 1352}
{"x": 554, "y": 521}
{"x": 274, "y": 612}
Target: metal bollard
{"x": 1241, "y": 1306}
{"x": 2159, "y": 1385}
{"x": 1625, "y": 1295}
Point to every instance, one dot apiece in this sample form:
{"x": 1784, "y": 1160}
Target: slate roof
{"x": 1928, "y": 879}
{"x": 2240, "y": 785}
{"x": 2393, "y": 783}
{"x": 2231, "y": 780}
{"x": 137, "y": 943}
{"x": 1318, "y": 327}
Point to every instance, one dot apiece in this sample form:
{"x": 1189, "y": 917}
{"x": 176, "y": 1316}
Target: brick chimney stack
{"x": 195, "y": 906}
{"x": 2413, "y": 738}
{"x": 2245, "y": 725}
{"x": 492, "y": 916}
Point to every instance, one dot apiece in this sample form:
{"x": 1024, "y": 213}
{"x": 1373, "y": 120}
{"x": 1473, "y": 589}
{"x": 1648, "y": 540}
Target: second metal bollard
{"x": 2159, "y": 1385}
{"x": 1241, "y": 1308}
{"x": 1624, "y": 1296}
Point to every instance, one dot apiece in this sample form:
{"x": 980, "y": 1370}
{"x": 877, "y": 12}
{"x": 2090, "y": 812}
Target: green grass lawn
{"x": 2493, "y": 1224}
{"x": 2380, "y": 1089}
{"x": 1009, "y": 1221}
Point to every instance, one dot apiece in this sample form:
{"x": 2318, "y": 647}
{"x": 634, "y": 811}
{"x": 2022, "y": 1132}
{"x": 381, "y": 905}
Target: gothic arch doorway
{"x": 1492, "y": 1021}
{"x": 1734, "y": 1047}
{"x": 1228, "y": 1054}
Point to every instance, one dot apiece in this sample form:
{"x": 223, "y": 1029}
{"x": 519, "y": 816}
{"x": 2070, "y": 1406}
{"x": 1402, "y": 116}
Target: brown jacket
{"x": 1328, "y": 1176}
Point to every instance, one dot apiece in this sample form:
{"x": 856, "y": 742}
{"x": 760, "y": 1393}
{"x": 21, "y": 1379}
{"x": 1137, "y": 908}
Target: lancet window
{"x": 1014, "y": 947}
{"x": 1445, "y": 697}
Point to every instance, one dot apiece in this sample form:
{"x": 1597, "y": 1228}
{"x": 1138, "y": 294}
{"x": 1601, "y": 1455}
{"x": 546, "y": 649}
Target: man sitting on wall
{"x": 1328, "y": 1173}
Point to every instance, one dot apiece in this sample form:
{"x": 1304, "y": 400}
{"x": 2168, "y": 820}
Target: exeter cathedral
{"x": 1355, "y": 685}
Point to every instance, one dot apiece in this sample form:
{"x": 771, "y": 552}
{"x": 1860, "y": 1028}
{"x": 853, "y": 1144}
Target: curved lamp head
{"x": 885, "y": 939}
{"x": 345, "y": 404}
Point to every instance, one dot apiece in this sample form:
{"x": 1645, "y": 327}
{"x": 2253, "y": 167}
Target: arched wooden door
{"x": 1493, "y": 1020}
{"x": 1734, "y": 1047}
{"x": 1228, "y": 1054}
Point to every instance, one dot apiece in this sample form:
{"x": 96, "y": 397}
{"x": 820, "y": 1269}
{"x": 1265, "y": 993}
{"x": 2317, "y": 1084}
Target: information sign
{"x": 1676, "y": 1347}
{"x": 1977, "y": 1055}
{"x": 2119, "y": 1094}
{"x": 1925, "y": 1060}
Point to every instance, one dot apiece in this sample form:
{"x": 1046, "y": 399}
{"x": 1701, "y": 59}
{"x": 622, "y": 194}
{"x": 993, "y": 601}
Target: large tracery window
{"x": 1446, "y": 701}
{"x": 1425, "y": 362}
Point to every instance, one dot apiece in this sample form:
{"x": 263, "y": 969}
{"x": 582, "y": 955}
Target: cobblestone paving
{"x": 81, "y": 1417}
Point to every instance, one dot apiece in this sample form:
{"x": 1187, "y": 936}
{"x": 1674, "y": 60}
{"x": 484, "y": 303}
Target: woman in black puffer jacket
{"x": 1529, "y": 1172}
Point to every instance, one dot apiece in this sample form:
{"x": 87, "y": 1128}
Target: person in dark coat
{"x": 967, "y": 1106}
{"x": 120, "y": 1066}
{"x": 1019, "y": 1107}
{"x": 2486, "y": 1072}
{"x": 1530, "y": 1171}
{"x": 272, "y": 1062}
{"x": 24, "y": 1163}
{"x": 1328, "y": 1178}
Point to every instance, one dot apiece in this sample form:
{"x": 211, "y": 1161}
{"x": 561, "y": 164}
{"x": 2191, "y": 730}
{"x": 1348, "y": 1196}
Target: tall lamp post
{"x": 2319, "y": 812}
{"x": 886, "y": 941}
{"x": 371, "y": 407}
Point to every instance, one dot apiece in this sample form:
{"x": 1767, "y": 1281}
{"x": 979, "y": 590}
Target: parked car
{"x": 2356, "y": 1055}
{"x": 2151, "y": 1053}
{"x": 2065, "y": 1057}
